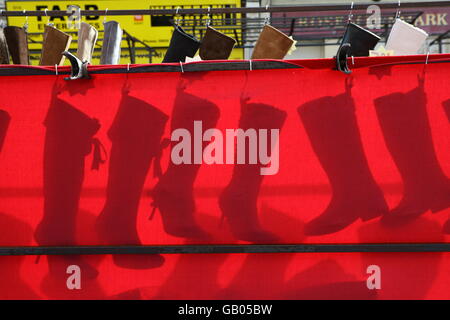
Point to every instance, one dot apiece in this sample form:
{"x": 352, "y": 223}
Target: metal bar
{"x": 228, "y": 249}
{"x": 299, "y": 8}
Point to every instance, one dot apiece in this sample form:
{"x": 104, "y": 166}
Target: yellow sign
{"x": 155, "y": 31}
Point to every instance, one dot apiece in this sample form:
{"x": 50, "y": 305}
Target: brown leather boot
{"x": 55, "y": 43}
{"x": 87, "y": 36}
{"x": 216, "y": 45}
{"x": 16, "y": 37}
{"x": 272, "y": 44}
{"x": 4, "y": 55}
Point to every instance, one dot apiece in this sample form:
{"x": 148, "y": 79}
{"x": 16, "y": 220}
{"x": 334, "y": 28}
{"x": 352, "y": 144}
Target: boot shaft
{"x": 55, "y": 43}
{"x": 189, "y": 108}
{"x": 181, "y": 45}
{"x": 406, "y": 129}
{"x": 4, "y": 123}
{"x": 138, "y": 124}
{"x": 69, "y": 130}
{"x": 216, "y": 45}
{"x": 112, "y": 40}
{"x": 87, "y": 37}
{"x": 4, "y": 54}
{"x": 16, "y": 38}
{"x": 332, "y": 128}
{"x": 272, "y": 44}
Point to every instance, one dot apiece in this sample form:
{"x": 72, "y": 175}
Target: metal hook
{"x": 250, "y": 64}
{"x": 208, "y": 21}
{"x": 104, "y": 17}
{"x": 56, "y": 69}
{"x": 128, "y": 67}
{"x": 181, "y": 66}
{"x": 26, "y": 19}
{"x": 350, "y": 15}
{"x": 177, "y": 18}
{"x": 397, "y": 15}
{"x": 267, "y": 19}
{"x": 428, "y": 53}
{"x": 46, "y": 14}
{"x": 353, "y": 60}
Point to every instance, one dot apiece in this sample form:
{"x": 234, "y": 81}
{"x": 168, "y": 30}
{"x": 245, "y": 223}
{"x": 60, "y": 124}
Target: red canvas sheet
{"x": 363, "y": 158}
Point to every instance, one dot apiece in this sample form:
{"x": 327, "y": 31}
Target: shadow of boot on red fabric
{"x": 64, "y": 272}
{"x": 255, "y": 282}
{"x": 13, "y": 286}
{"x": 4, "y": 123}
{"x": 194, "y": 276}
{"x": 173, "y": 194}
{"x": 326, "y": 280}
{"x": 136, "y": 140}
{"x": 332, "y": 128}
{"x": 68, "y": 140}
{"x": 404, "y": 275}
{"x": 238, "y": 201}
{"x": 447, "y": 109}
{"x": 446, "y": 104}
{"x": 404, "y": 122}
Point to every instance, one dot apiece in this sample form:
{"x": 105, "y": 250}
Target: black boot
{"x": 360, "y": 40}
{"x": 173, "y": 194}
{"x": 331, "y": 125}
{"x": 136, "y": 140}
{"x": 68, "y": 140}
{"x": 181, "y": 45}
{"x": 238, "y": 201}
{"x": 4, "y": 123}
{"x": 404, "y": 121}
{"x": 356, "y": 42}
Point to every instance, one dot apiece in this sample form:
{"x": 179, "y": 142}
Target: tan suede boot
{"x": 272, "y": 44}
{"x": 216, "y": 45}
{"x": 16, "y": 37}
{"x": 87, "y": 36}
{"x": 55, "y": 43}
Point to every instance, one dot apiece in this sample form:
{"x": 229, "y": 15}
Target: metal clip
{"x": 78, "y": 67}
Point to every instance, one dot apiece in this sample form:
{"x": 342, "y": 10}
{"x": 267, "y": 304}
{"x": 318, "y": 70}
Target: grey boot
{"x": 87, "y": 36}
{"x": 4, "y": 55}
{"x": 111, "y": 43}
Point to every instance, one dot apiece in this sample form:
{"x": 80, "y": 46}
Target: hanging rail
{"x": 229, "y": 249}
{"x": 205, "y": 11}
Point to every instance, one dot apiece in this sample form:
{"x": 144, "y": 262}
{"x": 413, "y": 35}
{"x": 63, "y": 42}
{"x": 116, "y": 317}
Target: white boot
{"x": 405, "y": 39}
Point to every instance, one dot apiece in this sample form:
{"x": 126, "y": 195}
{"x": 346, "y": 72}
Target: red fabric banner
{"x": 158, "y": 159}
